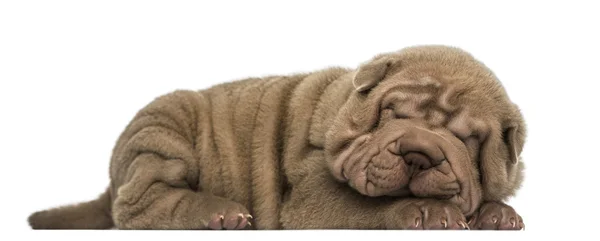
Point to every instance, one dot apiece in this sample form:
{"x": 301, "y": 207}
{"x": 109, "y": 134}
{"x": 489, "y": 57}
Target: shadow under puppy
{"x": 422, "y": 138}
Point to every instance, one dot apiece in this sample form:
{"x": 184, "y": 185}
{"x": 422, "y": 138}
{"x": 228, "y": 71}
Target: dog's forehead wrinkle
{"x": 440, "y": 106}
{"x": 444, "y": 99}
{"x": 409, "y": 104}
{"x": 394, "y": 98}
{"x": 399, "y": 96}
{"x": 429, "y": 80}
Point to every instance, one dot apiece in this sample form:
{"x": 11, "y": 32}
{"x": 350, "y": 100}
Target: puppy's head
{"x": 428, "y": 121}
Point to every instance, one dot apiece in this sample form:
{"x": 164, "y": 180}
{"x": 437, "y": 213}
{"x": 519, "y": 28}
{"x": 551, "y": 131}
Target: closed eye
{"x": 472, "y": 137}
{"x": 471, "y": 142}
{"x": 401, "y": 115}
{"x": 392, "y": 110}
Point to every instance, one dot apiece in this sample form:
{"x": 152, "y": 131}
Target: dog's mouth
{"x": 408, "y": 161}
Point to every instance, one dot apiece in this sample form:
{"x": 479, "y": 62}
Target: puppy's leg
{"x": 157, "y": 197}
{"x": 155, "y": 170}
{"x": 319, "y": 202}
{"x": 496, "y": 216}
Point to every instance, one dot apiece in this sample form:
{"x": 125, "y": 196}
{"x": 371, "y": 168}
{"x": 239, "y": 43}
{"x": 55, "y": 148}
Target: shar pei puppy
{"x": 422, "y": 138}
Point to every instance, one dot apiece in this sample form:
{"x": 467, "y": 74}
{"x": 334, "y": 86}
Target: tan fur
{"x": 264, "y": 146}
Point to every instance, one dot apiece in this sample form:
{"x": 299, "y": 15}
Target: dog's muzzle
{"x": 402, "y": 158}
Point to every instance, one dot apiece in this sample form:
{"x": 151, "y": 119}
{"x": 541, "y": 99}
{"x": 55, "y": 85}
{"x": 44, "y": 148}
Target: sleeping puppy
{"x": 421, "y": 138}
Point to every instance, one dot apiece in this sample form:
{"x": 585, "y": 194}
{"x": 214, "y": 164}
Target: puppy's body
{"x": 265, "y": 147}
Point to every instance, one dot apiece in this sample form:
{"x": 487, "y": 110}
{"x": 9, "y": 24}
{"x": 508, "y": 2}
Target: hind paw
{"x": 230, "y": 221}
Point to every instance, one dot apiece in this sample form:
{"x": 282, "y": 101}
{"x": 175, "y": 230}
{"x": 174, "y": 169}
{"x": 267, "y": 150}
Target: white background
{"x": 73, "y": 73}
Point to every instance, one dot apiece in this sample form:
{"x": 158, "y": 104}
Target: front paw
{"x": 426, "y": 214}
{"x": 496, "y": 216}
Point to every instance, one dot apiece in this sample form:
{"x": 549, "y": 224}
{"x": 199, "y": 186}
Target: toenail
{"x": 463, "y": 225}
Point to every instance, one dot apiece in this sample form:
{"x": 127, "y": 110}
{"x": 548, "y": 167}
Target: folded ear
{"x": 510, "y": 140}
{"x": 501, "y": 172}
{"x": 369, "y": 74}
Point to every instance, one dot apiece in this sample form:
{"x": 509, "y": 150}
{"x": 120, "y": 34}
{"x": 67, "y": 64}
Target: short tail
{"x": 94, "y": 214}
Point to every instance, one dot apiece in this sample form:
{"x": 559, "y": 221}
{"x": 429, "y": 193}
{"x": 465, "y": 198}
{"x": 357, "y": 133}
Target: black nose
{"x": 418, "y": 159}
